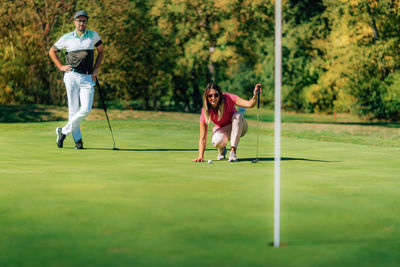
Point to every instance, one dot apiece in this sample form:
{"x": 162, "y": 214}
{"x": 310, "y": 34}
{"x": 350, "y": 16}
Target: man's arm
{"x": 99, "y": 59}
{"x": 57, "y": 62}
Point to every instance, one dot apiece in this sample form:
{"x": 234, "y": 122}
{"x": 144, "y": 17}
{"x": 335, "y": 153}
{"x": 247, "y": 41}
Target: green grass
{"x": 147, "y": 204}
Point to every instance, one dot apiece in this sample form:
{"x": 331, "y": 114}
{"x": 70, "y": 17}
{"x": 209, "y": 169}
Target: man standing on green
{"x": 80, "y": 75}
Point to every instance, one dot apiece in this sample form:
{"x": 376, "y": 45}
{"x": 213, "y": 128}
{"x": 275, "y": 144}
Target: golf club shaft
{"x": 105, "y": 109}
{"x": 258, "y": 111}
{"x": 257, "y": 138}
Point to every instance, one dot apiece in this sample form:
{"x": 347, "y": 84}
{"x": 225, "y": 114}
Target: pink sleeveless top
{"x": 230, "y": 109}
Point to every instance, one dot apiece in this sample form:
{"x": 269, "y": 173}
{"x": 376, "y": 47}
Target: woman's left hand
{"x": 249, "y": 103}
{"x": 258, "y": 86}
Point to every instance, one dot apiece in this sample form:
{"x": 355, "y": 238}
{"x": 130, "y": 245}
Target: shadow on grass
{"x": 146, "y": 149}
{"x": 284, "y": 159}
{"x": 26, "y": 113}
{"x": 195, "y": 149}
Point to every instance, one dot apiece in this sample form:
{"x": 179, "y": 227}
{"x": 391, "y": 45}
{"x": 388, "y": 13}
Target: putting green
{"x": 148, "y": 204}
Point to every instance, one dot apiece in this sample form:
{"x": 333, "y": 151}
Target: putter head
{"x": 254, "y": 161}
{"x": 115, "y": 148}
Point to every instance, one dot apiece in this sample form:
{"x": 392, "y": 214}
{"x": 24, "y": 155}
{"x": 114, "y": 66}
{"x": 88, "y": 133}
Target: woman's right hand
{"x": 199, "y": 159}
{"x": 202, "y": 142}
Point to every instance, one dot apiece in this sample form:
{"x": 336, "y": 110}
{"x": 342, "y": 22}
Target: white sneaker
{"x": 232, "y": 156}
{"x": 221, "y": 155}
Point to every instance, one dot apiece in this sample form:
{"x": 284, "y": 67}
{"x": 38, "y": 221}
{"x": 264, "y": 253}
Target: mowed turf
{"x": 148, "y": 204}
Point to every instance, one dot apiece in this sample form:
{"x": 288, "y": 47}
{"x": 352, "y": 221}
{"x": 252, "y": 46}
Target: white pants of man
{"x": 80, "y": 90}
{"x": 233, "y": 132}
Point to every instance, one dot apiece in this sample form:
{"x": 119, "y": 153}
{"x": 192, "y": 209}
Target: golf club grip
{"x": 101, "y": 95}
{"x": 258, "y": 96}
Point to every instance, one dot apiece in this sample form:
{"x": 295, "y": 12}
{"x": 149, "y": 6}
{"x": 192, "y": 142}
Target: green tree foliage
{"x": 338, "y": 55}
{"x": 358, "y": 54}
{"x": 211, "y": 41}
{"x": 304, "y": 25}
{"x": 26, "y": 32}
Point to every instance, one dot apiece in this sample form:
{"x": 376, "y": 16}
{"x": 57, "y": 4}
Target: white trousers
{"x": 80, "y": 91}
{"x": 233, "y": 132}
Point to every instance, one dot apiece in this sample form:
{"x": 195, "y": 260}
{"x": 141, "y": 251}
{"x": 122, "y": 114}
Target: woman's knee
{"x": 237, "y": 117}
{"x": 219, "y": 140}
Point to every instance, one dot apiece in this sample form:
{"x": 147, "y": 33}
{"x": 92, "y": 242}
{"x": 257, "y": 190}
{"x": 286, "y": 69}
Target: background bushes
{"x": 338, "y": 56}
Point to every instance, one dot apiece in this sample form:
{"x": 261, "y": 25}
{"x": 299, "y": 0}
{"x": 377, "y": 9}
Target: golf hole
{"x": 280, "y": 245}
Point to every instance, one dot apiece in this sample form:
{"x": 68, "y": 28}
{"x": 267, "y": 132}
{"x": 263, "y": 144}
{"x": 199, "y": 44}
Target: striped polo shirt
{"x": 79, "y": 50}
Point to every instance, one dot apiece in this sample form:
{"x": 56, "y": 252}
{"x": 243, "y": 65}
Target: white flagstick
{"x": 278, "y": 83}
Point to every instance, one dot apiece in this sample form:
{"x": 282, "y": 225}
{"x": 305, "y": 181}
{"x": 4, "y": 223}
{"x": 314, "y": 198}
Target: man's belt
{"x": 81, "y": 71}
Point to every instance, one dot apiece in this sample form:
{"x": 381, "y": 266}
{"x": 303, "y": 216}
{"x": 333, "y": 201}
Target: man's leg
{"x": 86, "y": 101}
{"x": 73, "y": 93}
{"x": 77, "y": 134}
{"x": 72, "y": 89}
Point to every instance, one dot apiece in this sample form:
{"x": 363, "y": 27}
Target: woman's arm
{"x": 248, "y": 103}
{"x": 202, "y": 142}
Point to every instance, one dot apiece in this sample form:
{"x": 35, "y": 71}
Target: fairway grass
{"x": 148, "y": 204}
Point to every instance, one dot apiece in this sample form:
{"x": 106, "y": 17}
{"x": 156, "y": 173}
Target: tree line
{"x": 338, "y": 56}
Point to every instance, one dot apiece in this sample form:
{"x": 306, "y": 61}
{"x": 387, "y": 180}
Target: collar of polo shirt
{"x": 83, "y": 35}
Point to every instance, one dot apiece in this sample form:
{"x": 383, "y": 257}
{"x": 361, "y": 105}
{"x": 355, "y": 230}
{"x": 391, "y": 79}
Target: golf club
{"x": 258, "y": 111}
{"x": 105, "y": 110}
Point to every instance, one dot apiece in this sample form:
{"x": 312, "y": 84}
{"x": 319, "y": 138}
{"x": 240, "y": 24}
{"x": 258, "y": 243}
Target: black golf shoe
{"x": 79, "y": 144}
{"x": 60, "y": 137}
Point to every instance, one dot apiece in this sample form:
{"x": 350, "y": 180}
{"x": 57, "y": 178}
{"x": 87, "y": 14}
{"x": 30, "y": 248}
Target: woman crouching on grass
{"x": 220, "y": 108}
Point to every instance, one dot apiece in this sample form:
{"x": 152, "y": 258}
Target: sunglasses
{"x": 81, "y": 21}
{"x": 213, "y": 95}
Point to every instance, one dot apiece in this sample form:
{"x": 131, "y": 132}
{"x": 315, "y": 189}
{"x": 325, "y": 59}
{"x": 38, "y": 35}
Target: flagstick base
{"x": 280, "y": 245}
